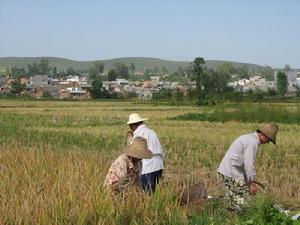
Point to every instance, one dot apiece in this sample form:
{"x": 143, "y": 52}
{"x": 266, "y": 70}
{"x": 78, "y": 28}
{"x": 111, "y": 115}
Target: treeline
{"x": 119, "y": 70}
{"x": 212, "y": 86}
{"x": 41, "y": 68}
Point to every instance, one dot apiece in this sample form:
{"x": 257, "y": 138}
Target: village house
{"x": 254, "y": 83}
{"x": 145, "y": 93}
{"x": 147, "y": 84}
{"x": 38, "y": 81}
{"x": 4, "y": 86}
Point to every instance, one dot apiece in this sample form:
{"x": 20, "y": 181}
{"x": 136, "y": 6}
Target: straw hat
{"x": 270, "y": 130}
{"x": 138, "y": 149}
{"x": 135, "y": 118}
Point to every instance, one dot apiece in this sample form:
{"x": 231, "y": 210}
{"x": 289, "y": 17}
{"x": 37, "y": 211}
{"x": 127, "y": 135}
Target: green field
{"x": 54, "y": 156}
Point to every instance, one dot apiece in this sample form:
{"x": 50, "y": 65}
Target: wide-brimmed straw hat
{"x": 138, "y": 149}
{"x": 270, "y": 131}
{"x": 135, "y": 118}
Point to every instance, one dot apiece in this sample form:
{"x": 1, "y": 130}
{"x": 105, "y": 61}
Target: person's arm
{"x": 249, "y": 161}
{"x": 129, "y": 137}
{"x": 249, "y": 166}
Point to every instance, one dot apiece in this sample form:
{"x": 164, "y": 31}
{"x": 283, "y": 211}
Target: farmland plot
{"x": 54, "y": 156}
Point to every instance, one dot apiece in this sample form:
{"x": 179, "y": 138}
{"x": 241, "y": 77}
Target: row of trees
{"x": 41, "y": 68}
{"x": 120, "y": 70}
{"x": 212, "y": 84}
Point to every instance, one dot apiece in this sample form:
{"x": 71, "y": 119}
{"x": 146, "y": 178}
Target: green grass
{"x": 247, "y": 113}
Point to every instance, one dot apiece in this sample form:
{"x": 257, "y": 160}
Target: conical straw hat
{"x": 270, "y": 130}
{"x": 138, "y": 149}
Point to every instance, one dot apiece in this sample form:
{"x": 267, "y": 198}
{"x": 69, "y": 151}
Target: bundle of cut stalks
{"x": 193, "y": 198}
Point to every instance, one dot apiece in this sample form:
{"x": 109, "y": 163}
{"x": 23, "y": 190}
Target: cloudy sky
{"x": 254, "y": 31}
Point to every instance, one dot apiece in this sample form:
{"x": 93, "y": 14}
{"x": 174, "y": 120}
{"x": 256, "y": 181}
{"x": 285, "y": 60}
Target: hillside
{"x": 141, "y": 63}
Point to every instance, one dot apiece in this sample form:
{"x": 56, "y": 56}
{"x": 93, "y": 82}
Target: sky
{"x": 254, "y": 31}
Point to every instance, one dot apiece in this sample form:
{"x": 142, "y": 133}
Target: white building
{"x": 73, "y": 78}
{"x": 121, "y": 82}
{"x": 298, "y": 82}
{"x": 75, "y": 90}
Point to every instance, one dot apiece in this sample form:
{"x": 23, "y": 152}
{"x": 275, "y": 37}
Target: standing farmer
{"x": 238, "y": 165}
{"x": 152, "y": 169}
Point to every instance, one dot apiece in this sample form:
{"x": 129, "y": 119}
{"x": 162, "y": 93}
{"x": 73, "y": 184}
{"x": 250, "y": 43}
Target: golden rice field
{"x": 54, "y": 156}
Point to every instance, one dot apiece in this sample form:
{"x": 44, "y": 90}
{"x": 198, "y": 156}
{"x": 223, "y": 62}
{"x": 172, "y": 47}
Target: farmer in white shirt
{"x": 237, "y": 168}
{"x": 152, "y": 169}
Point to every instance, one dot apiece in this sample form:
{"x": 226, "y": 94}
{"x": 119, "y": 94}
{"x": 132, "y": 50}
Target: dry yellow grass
{"x": 54, "y": 157}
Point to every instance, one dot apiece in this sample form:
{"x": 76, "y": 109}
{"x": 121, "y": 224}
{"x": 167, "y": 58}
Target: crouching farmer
{"x": 237, "y": 168}
{"x": 125, "y": 171}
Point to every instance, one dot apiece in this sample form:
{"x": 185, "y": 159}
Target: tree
{"x": 188, "y": 70}
{"x": 147, "y": 74}
{"x": 33, "y": 69}
{"x": 281, "y": 83}
{"x": 54, "y": 71}
{"x": 226, "y": 69}
{"x": 99, "y": 67}
{"x": 16, "y": 72}
{"x": 211, "y": 84}
{"x": 199, "y": 76}
{"x": 243, "y": 72}
{"x": 156, "y": 70}
{"x": 287, "y": 67}
{"x": 121, "y": 70}
{"x": 17, "y": 87}
{"x": 44, "y": 67}
{"x": 96, "y": 71}
{"x": 8, "y": 72}
{"x": 180, "y": 71}
{"x": 62, "y": 73}
{"x": 71, "y": 71}
{"x": 112, "y": 75}
{"x": 164, "y": 70}
{"x": 41, "y": 68}
{"x": 267, "y": 72}
{"x": 219, "y": 81}
{"x": 178, "y": 95}
{"x": 131, "y": 68}
{"x": 124, "y": 72}
{"x": 96, "y": 89}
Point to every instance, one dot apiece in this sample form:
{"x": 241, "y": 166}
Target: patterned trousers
{"x": 236, "y": 191}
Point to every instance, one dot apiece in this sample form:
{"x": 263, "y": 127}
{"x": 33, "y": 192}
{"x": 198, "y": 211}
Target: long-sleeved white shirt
{"x": 239, "y": 160}
{"x": 154, "y": 145}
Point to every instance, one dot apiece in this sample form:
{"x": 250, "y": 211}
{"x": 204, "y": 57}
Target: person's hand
{"x": 129, "y": 134}
{"x": 252, "y": 189}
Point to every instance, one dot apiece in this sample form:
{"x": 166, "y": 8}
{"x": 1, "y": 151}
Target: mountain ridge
{"x": 141, "y": 63}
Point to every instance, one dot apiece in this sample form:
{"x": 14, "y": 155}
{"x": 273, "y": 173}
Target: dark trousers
{"x": 149, "y": 181}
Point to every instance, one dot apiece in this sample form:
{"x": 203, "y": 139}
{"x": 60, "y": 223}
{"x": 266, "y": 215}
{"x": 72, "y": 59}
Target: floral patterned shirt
{"x": 123, "y": 173}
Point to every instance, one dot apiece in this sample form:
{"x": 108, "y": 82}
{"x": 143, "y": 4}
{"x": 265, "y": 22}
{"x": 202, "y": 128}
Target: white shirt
{"x": 157, "y": 161}
{"x": 239, "y": 160}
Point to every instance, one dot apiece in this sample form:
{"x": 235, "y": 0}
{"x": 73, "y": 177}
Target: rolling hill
{"x": 141, "y": 63}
